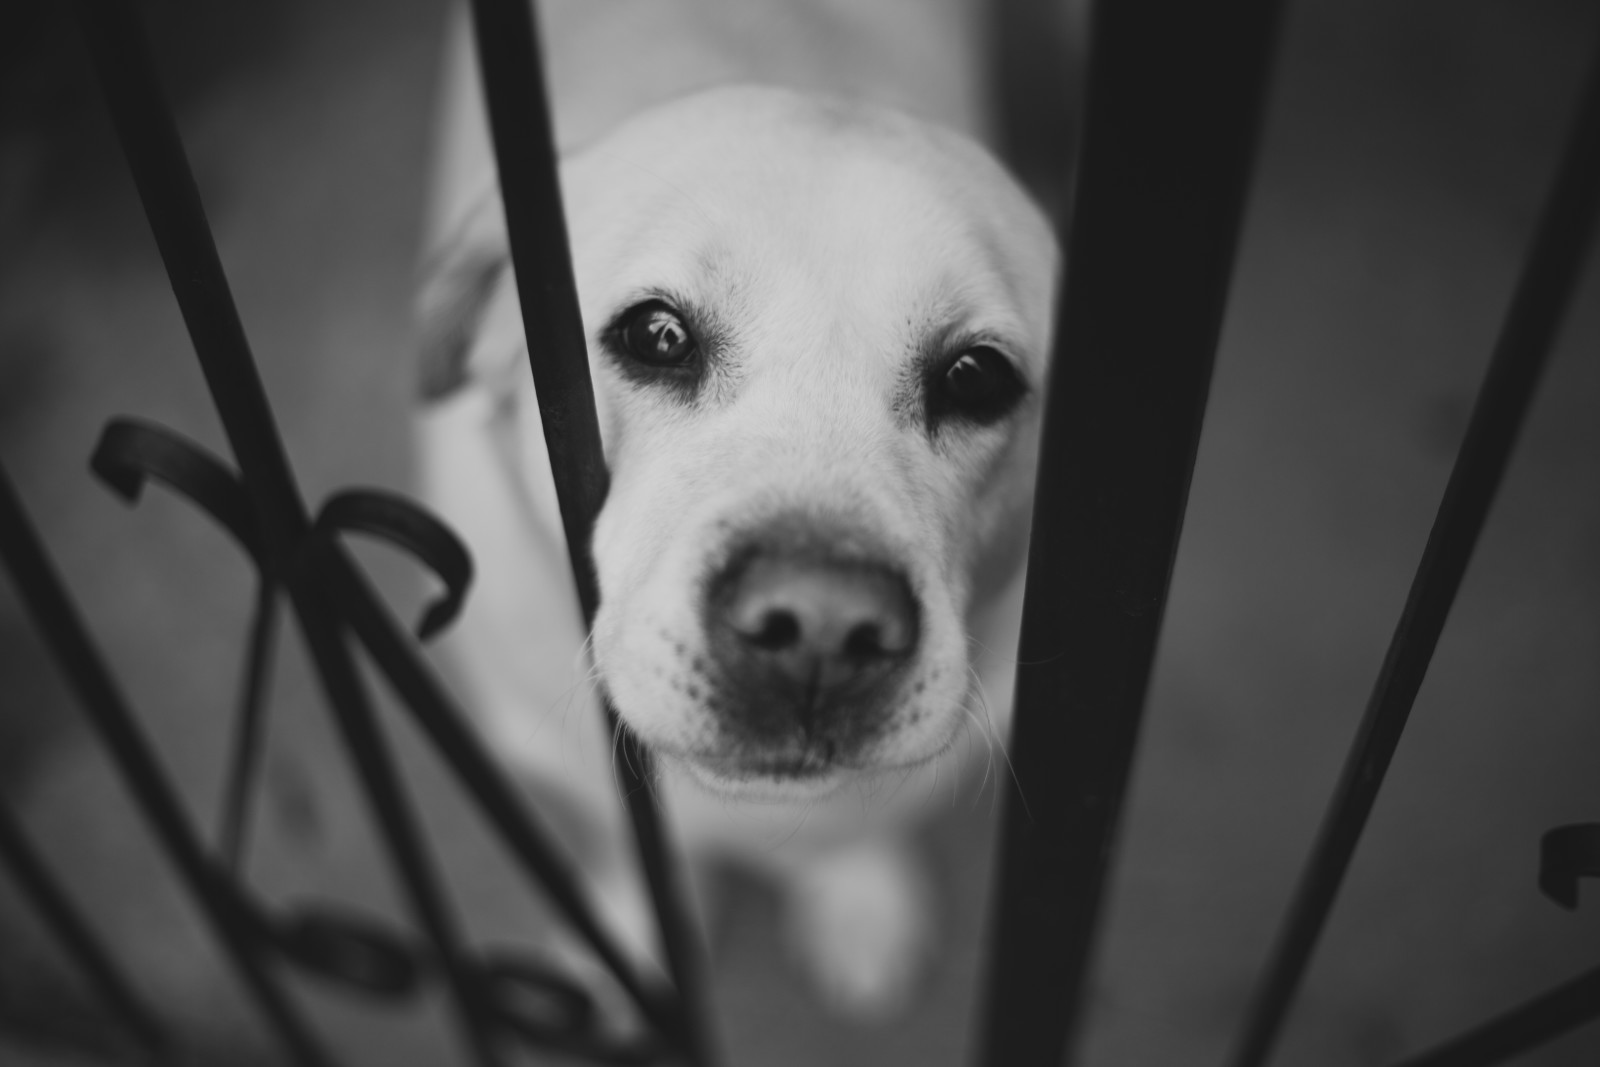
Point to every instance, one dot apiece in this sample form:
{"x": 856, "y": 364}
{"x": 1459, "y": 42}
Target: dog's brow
{"x": 688, "y": 197}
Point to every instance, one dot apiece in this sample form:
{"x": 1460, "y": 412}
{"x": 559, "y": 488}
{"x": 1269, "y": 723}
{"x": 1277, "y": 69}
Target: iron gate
{"x": 1156, "y": 205}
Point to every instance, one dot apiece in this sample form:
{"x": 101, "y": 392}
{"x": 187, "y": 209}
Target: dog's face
{"x": 818, "y": 337}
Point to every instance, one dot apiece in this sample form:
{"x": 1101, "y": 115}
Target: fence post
{"x": 1173, "y": 102}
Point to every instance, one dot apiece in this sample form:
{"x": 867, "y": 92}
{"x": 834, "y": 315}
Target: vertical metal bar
{"x": 1549, "y": 276}
{"x": 530, "y": 187}
{"x": 524, "y": 145}
{"x": 172, "y": 203}
{"x": 1174, "y": 96}
{"x": 1524, "y": 1027}
{"x": 42, "y": 590}
{"x": 245, "y": 764}
{"x": 78, "y": 939}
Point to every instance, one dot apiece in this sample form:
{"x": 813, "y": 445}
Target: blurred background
{"x": 1407, "y": 146}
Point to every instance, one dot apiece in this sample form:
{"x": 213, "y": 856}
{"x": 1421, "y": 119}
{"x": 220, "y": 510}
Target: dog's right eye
{"x": 656, "y": 335}
{"x": 979, "y": 385}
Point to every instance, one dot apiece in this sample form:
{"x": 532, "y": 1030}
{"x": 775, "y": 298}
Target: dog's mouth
{"x": 800, "y": 771}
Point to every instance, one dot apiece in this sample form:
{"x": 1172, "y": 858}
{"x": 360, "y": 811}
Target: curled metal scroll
{"x": 525, "y": 999}
{"x": 131, "y": 452}
{"x": 524, "y": 996}
{"x": 407, "y": 526}
{"x": 1567, "y": 854}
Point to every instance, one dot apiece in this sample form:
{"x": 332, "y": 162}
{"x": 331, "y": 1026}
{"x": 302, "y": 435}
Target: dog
{"x": 818, "y": 316}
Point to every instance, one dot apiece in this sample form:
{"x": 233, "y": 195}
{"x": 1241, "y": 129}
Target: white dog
{"x": 818, "y": 330}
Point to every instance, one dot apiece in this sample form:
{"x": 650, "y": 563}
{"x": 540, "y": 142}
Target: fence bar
{"x": 1525, "y": 1027}
{"x": 78, "y": 939}
{"x": 524, "y": 145}
{"x": 84, "y": 670}
{"x": 1550, "y": 274}
{"x": 1174, "y": 95}
{"x": 245, "y": 763}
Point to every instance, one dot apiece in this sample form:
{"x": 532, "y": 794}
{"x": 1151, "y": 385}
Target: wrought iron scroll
{"x": 1156, "y": 211}
{"x": 1549, "y": 276}
{"x": 1567, "y": 854}
{"x": 501, "y": 999}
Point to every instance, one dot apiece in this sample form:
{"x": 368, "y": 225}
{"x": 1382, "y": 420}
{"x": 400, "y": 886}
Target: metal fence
{"x": 1158, "y": 194}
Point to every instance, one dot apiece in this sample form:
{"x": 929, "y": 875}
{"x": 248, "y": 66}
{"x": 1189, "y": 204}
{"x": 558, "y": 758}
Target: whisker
{"x": 1010, "y": 661}
{"x": 995, "y": 741}
{"x": 805, "y": 813}
{"x": 616, "y": 748}
{"x": 905, "y": 776}
{"x": 971, "y": 719}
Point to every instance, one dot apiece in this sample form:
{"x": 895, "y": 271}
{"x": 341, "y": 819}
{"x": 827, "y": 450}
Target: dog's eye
{"x": 655, "y": 334}
{"x": 981, "y": 385}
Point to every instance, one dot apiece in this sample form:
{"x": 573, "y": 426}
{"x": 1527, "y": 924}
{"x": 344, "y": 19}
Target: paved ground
{"x": 1406, "y": 150}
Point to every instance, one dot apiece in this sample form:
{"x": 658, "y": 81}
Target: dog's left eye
{"x": 655, "y": 334}
{"x": 980, "y": 385}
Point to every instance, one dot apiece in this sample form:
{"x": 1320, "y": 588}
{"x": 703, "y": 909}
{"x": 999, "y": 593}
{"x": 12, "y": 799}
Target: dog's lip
{"x": 760, "y": 789}
{"x": 785, "y": 775}
{"x": 796, "y": 768}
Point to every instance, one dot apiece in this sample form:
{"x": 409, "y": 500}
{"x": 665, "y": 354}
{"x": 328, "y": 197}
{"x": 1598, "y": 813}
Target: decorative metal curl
{"x": 1567, "y": 854}
{"x": 521, "y": 998}
{"x": 524, "y": 997}
{"x": 402, "y": 523}
{"x": 131, "y": 452}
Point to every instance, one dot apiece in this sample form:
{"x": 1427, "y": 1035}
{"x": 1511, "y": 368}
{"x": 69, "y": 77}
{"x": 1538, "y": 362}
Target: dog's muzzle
{"x": 809, "y": 640}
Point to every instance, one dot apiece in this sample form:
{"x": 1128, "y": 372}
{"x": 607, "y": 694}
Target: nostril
{"x": 779, "y": 630}
{"x": 864, "y": 641}
{"x": 813, "y": 620}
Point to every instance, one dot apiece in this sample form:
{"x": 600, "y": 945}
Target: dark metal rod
{"x": 85, "y": 671}
{"x": 249, "y": 729}
{"x": 1174, "y": 96}
{"x": 1550, "y": 274}
{"x": 524, "y": 145}
{"x": 1524, "y": 1027}
{"x": 78, "y": 938}
{"x": 530, "y": 188}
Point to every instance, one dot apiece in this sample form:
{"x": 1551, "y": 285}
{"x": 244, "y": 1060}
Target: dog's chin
{"x": 766, "y": 780}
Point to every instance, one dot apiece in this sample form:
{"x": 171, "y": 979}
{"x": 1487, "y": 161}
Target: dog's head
{"x": 818, "y": 336}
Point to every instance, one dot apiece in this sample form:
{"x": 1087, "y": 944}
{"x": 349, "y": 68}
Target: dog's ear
{"x": 463, "y": 339}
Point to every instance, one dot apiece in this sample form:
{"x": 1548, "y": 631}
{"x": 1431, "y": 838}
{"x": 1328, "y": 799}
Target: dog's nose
{"x": 803, "y": 635}
{"x": 822, "y": 622}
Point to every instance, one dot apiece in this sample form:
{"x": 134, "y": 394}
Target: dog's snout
{"x": 807, "y": 642}
{"x": 821, "y": 622}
